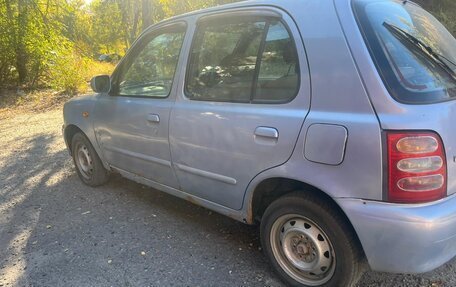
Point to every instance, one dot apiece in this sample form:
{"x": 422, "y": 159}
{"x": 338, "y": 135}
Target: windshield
{"x": 412, "y": 50}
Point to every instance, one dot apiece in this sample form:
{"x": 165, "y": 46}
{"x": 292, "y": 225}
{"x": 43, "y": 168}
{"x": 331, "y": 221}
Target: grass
{"x": 14, "y": 102}
{"x": 73, "y": 79}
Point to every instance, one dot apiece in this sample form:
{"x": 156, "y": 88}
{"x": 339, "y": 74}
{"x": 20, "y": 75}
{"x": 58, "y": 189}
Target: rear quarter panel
{"x": 338, "y": 97}
{"x": 439, "y": 117}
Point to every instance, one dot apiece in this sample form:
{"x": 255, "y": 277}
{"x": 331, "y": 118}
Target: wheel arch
{"x": 271, "y": 189}
{"x": 69, "y": 132}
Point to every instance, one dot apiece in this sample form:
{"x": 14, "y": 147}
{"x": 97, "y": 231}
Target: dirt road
{"x": 54, "y": 231}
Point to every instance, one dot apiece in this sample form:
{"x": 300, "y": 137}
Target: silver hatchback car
{"x": 329, "y": 122}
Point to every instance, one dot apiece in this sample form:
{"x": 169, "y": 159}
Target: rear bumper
{"x": 401, "y": 238}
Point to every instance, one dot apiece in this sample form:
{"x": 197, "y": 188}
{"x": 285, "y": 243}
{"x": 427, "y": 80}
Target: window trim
{"x": 244, "y": 13}
{"x": 135, "y": 50}
{"x": 258, "y": 62}
{"x": 267, "y": 16}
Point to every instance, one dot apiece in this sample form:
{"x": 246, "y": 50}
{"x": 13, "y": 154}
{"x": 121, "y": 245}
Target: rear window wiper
{"x": 437, "y": 58}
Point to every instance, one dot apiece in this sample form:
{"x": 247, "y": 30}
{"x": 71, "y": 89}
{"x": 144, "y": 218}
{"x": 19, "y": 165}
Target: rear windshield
{"x": 412, "y": 50}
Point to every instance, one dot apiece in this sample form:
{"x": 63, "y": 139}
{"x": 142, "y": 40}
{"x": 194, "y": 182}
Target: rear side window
{"x": 414, "y": 53}
{"x": 243, "y": 60}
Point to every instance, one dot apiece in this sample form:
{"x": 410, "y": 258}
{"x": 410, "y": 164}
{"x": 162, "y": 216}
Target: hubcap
{"x": 303, "y": 250}
{"x": 84, "y": 161}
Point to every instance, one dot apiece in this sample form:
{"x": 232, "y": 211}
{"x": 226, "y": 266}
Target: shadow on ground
{"x": 59, "y": 232}
{"x": 55, "y": 231}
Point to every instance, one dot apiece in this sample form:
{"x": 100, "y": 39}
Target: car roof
{"x": 240, "y": 4}
{"x": 228, "y": 6}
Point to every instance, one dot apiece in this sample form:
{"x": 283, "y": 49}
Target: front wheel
{"x": 309, "y": 243}
{"x": 88, "y": 164}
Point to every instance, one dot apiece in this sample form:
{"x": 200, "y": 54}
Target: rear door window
{"x": 413, "y": 52}
{"x": 243, "y": 60}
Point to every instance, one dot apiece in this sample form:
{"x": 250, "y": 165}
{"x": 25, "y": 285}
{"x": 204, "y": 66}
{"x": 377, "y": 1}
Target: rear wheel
{"x": 89, "y": 167}
{"x": 309, "y": 243}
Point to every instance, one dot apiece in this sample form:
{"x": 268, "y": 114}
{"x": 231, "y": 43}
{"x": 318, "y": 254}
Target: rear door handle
{"x": 153, "y": 118}
{"x": 267, "y": 132}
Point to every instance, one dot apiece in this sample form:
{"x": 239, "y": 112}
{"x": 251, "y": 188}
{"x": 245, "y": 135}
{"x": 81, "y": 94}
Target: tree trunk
{"x": 21, "y": 52}
{"x": 146, "y": 14}
{"x": 134, "y": 28}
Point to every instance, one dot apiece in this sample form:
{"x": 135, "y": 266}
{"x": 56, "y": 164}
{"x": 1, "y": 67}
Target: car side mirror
{"x": 101, "y": 84}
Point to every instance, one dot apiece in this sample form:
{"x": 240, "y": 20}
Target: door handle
{"x": 267, "y": 132}
{"x": 153, "y": 118}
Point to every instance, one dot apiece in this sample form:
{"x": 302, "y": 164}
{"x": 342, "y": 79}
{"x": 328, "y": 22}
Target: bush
{"x": 71, "y": 72}
{"x": 95, "y": 68}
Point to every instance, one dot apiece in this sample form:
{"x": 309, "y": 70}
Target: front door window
{"x": 151, "y": 71}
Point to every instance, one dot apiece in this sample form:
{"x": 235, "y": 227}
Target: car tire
{"x": 309, "y": 242}
{"x": 88, "y": 164}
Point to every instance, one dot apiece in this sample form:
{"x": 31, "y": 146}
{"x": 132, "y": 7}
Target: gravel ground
{"x": 54, "y": 231}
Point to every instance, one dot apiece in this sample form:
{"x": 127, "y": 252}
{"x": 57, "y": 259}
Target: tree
{"x": 36, "y": 36}
{"x": 147, "y": 6}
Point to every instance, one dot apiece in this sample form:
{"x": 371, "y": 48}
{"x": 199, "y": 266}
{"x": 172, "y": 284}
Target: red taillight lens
{"x": 416, "y": 167}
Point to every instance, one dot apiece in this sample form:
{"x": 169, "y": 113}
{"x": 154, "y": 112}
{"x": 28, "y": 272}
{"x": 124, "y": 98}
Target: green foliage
{"x": 71, "y": 72}
{"x": 7, "y": 67}
{"x": 67, "y": 72}
{"x": 106, "y": 38}
{"x": 56, "y": 43}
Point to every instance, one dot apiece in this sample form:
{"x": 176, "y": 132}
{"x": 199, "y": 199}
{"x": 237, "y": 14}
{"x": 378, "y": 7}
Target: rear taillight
{"x": 416, "y": 167}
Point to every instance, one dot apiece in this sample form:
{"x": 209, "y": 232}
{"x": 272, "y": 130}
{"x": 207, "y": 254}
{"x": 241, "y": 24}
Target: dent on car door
{"x": 132, "y": 121}
{"x": 239, "y": 115}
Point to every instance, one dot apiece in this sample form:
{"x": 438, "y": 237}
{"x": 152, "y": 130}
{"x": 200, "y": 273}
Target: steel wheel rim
{"x": 84, "y": 161}
{"x": 302, "y": 250}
